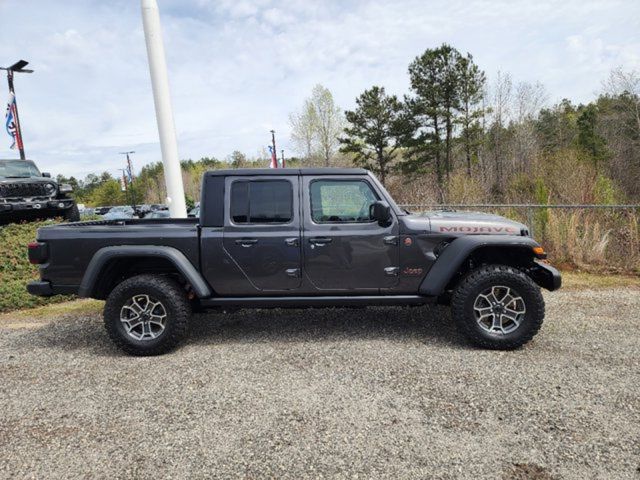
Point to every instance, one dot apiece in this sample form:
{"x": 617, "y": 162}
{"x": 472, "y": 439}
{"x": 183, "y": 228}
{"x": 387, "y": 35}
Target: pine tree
{"x": 471, "y": 84}
{"x": 374, "y": 130}
{"x": 435, "y": 84}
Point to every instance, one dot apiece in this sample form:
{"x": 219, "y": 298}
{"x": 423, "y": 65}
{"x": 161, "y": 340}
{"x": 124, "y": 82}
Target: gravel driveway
{"x": 377, "y": 393}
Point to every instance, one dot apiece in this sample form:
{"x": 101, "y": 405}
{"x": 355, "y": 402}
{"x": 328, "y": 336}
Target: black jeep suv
{"x": 27, "y": 194}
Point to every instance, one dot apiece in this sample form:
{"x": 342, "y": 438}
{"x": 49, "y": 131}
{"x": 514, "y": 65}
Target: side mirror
{"x": 46, "y": 174}
{"x": 381, "y": 212}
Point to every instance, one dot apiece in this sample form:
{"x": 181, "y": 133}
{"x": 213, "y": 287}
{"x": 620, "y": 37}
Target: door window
{"x": 341, "y": 201}
{"x": 257, "y": 202}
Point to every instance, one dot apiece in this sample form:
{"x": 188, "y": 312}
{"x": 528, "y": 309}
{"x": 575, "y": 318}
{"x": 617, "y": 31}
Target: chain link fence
{"x": 592, "y": 237}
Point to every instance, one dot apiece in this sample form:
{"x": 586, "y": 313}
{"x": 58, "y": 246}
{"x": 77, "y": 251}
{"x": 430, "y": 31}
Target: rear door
{"x": 343, "y": 248}
{"x": 262, "y": 232}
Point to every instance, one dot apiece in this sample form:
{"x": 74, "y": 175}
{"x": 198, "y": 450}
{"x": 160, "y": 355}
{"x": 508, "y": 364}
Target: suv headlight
{"x": 65, "y": 188}
{"x": 50, "y": 188}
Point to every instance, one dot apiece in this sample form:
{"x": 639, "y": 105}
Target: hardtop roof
{"x": 286, "y": 171}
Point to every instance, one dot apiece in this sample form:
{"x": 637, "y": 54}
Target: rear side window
{"x": 264, "y": 201}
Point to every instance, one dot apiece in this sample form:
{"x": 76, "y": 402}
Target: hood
{"x": 465, "y": 223}
{"x": 4, "y": 180}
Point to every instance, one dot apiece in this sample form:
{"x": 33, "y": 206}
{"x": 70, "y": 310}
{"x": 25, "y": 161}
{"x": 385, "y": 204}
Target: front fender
{"x": 176, "y": 257}
{"x": 454, "y": 255}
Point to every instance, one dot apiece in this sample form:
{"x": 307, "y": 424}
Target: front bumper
{"x": 546, "y": 276}
{"x": 44, "y": 206}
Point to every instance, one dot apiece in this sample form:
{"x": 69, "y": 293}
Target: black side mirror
{"x": 381, "y": 212}
{"x": 46, "y": 174}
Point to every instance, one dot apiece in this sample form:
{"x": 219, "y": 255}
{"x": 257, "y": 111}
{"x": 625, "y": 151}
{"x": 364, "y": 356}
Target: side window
{"x": 269, "y": 201}
{"x": 341, "y": 201}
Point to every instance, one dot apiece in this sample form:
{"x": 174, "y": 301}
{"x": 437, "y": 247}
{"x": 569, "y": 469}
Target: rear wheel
{"x": 498, "y": 307}
{"x": 147, "y": 315}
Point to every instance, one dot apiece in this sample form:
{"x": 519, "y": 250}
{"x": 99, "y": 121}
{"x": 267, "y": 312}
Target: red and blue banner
{"x": 274, "y": 158}
{"x": 11, "y": 122}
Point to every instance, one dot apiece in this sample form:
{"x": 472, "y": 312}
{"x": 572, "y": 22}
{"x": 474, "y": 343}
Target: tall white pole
{"x": 164, "y": 113}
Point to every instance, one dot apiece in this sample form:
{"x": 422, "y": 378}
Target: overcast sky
{"x": 237, "y": 68}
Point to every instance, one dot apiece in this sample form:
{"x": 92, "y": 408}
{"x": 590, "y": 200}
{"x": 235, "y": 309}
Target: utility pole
{"x": 164, "y": 112}
{"x": 13, "y": 105}
{"x": 273, "y": 143}
{"x": 282, "y": 151}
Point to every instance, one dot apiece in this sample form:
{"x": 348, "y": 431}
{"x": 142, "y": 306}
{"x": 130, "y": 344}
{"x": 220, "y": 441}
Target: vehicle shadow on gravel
{"x": 432, "y": 326}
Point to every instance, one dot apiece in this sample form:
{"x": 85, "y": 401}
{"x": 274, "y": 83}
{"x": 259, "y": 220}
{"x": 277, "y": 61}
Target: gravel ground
{"x": 376, "y": 393}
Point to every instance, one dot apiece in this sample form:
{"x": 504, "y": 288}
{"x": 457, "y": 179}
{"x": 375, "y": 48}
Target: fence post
{"x": 530, "y": 220}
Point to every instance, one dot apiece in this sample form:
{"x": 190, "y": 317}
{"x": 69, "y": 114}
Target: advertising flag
{"x": 11, "y": 123}
{"x": 274, "y": 159}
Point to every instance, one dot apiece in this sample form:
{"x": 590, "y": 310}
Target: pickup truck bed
{"x": 73, "y": 245}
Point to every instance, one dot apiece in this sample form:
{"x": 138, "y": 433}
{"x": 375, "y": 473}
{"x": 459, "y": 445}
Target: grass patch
{"x": 583, "y": 281}
{"x": 15, "y": 269}
{"x": 84, "y": 306}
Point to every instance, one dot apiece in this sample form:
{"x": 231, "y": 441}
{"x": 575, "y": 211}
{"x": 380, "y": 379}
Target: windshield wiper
{"x": 17, "y": 176}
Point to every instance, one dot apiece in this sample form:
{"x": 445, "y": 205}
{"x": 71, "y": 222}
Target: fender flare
{"x": 174, "y": 256}
{"x": 454, "y": 255}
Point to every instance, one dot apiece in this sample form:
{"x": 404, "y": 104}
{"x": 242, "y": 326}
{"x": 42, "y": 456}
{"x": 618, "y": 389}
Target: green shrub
{"x": 15, "y": 269}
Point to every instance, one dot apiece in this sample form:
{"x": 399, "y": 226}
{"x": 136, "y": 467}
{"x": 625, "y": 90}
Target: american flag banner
{"x": 274, "y": 158}
{"x": 11, "y": 124}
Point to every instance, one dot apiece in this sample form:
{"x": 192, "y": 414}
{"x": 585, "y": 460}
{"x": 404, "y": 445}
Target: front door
{"x": 344, "y": 248}
{"x": 262, "y": 233}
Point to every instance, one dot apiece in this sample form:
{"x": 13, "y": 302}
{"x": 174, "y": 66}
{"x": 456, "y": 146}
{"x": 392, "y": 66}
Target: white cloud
{"x": 237, "y": 68}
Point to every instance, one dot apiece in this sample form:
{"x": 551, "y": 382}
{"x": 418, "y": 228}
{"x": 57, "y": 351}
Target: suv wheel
{"x": 498, "y": 307}
{"x": 147, "y": 315}
{"x": 72, "y": 215}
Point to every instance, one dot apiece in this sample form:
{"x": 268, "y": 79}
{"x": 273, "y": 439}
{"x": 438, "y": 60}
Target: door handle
{"x": 320, "y": 240}
{"x": 291, "y": 242}
{"x": 246, "y": 242}
{"x": 293, "y": 272}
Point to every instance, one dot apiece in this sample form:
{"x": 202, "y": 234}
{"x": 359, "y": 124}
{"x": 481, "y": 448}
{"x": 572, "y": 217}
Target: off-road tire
{"x": 73, "y": 214}
{"x": 477, "y": 281}
{"x": 174, "y": 300}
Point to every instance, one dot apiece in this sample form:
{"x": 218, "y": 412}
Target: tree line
{"x": 453, "y": 137}
{"x": 457, "y": 135}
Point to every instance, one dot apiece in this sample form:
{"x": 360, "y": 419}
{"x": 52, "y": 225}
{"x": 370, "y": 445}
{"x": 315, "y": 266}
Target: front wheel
{"x": 147, "y": 315}
{"x": 498, "y": 307}
{"x": 73, "y": 214}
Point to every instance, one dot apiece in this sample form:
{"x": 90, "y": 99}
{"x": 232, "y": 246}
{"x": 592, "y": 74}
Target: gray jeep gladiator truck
{"x": 27, "y": 194}
{"x": 297, "y": 238}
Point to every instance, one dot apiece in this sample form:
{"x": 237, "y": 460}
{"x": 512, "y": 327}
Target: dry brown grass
{"x": 46, "y": 312}
{"x": 598, "y": 241}
{"x": 589, "y": 281}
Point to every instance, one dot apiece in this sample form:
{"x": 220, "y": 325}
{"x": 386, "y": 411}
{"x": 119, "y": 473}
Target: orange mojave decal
{"x": 477, "y": 229}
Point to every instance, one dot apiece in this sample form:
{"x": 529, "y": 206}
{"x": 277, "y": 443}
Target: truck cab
{"x": 305, "y": 232}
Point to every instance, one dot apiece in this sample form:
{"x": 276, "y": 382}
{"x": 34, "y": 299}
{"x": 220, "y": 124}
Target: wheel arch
{"x": 110, "y": 265}
{"x": 465, "y": 253}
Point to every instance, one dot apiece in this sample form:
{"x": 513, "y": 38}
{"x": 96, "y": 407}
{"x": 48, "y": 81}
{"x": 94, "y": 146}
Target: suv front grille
{"x": 21, "y": 190}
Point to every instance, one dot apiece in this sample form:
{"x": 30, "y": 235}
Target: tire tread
{"x": 174, "y": 296}
{"x": 497, "y": 273}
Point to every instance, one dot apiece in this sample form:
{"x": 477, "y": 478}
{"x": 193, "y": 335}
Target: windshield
{"x": 18, "y": 169}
